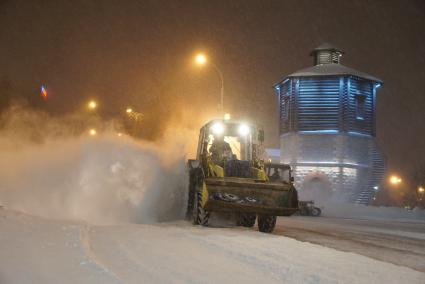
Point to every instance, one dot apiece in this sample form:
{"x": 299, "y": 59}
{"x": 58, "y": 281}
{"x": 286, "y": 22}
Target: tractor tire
{"x": 266, "y": 223}
{"x": 200, "y": 215}
{"x": 247, "y": 220}
{"x": 316, "y": 212}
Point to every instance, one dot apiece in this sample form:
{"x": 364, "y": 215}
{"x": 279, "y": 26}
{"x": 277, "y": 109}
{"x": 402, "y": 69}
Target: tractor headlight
{"x": 217, "y": 128}
{"x": 244, "y": 129}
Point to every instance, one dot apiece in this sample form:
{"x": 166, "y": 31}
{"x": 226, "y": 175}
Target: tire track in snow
{"x": 86, "y": 246}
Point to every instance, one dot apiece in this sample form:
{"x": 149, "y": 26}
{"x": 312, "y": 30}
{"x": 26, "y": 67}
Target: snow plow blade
{"x": 231, "y": 194}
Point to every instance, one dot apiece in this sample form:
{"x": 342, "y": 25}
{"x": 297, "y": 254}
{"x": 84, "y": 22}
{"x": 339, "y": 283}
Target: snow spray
{"x": 102, "y": 178}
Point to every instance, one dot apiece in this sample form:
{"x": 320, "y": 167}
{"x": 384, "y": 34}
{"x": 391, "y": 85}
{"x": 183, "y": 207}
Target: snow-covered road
{"x": 38, "y": 250}
{"x": 401, "y": 243}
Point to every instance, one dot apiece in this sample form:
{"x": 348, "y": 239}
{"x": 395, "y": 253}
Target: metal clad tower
{"x": 327, "y": 129}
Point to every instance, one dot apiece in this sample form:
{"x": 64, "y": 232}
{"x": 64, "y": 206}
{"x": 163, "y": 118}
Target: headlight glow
{"x": 244, "y": 129}
{"x": 217, "y": 128}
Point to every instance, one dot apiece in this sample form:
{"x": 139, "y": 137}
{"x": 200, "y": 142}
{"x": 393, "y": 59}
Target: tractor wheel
{"x": 316, "y": 211}
{"x": 200, "y": 215}
{"x": 266, "y": 223}
{"x": 247, "y": 220}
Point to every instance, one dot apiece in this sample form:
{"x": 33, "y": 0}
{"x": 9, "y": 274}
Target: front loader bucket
{"x": 231, "y": 194}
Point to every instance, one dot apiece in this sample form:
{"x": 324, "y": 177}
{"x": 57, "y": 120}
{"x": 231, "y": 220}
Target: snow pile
{"x": 345, "y": 210}
{"x": 35, "y": 250}
{"x": 101, "y": 179}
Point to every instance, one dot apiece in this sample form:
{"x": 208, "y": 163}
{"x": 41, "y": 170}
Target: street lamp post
{"x": 201, "y": 59}
{"x": 221, "y": 89}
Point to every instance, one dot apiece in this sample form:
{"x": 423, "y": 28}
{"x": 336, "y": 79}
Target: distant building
{"x": 328, "y": 129}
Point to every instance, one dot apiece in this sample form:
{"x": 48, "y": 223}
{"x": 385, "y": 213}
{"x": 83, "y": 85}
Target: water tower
{"x": 328, "y": 129}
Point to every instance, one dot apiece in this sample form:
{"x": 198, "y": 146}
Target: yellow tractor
{"x": 229, "y": 176}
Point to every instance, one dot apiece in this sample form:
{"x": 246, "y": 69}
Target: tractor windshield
{"x": 234, "y": 144}
{"x": 233, "y": 140}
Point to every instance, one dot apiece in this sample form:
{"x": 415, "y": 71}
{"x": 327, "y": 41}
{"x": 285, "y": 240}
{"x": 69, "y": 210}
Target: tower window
{"x": 360, "y": 107}
{"x": 327, "y": 57}
{"x": 285, "y": 107}
{"x": 335, "y": 57}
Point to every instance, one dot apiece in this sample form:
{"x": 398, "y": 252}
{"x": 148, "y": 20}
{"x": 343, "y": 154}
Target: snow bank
{"x": 344, "y": 210}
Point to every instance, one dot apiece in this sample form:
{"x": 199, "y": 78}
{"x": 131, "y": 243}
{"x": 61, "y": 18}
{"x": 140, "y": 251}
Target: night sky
{"x": 139, "y": 53}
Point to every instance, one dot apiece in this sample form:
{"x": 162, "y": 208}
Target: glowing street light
{"x": 92, "y": 132}
{"x": 227, "y": 116}
{"x": 92, "y": 105}
{"x": 129, "y": 110}
{"x": 421, "y": 190}
{"x": 201, "y": 59}
{"x": 395, "y": 180}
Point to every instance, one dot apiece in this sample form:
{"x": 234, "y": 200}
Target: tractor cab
{"x": 231, "y": 148}
{"x": 279, "y": 173}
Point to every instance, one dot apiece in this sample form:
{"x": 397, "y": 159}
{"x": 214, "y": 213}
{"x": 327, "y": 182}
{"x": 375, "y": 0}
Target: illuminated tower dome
{"x": 327, "y": 130}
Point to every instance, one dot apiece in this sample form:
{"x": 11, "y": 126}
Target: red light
{"x": 43, "y": 93}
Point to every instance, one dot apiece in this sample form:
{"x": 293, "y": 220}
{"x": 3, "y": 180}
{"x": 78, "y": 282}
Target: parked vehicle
{"x": 307, "y": 208}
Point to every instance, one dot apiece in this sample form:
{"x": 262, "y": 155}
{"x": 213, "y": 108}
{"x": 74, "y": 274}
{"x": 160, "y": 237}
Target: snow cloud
{"x": 50, "y": 167}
